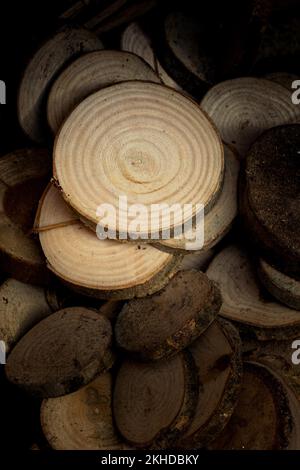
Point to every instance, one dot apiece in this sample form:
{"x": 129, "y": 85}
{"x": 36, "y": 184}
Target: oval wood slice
{"x": 244, "y": 302}
{"x": 45, "y": 64}
{"x": 198, "y": 260}
{"x": 161, "y": 325}
{"x": 24, "y": 175}
{"x": 219, "y": 219}
{"x": 243, "y": 108}
{"x": 99, "y": 268}
{"x": 62, "y": 353}
{"x": 82, "y": 420}
{"x": 272, "y": 186}
{"x": 217, "y": 354}
{"x": 154, "y": 403}
{"x": 282, "y": 287}
{"x": 283, "y": 78}
{"x": 127, "y": 153}
{"x": 90, "y": 73}
{"x": 262, "y": 419}
{"x": 21, "y": 307}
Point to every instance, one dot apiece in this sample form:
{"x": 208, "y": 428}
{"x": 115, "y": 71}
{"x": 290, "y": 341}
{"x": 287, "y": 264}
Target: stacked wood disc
{"x": 24, "y": 175}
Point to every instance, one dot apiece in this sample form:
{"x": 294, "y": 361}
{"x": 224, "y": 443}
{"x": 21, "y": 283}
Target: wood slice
{"x": 161, "y": 325}
{"x": 82, "y": 420}
{"x": 262, "y": 419}
{"x": 198, "y": 260}
{"x": 153, "y": 403}
{"x": 99, "y": 268}
{"x": 283, "y": 78}
{"x": 243, "y": 301}
{"x": 219, "y": 219}
{"x": 282, "y": 287}
{"x": 21, "y": 307}
{"x": 217, "y": 354}
{"x": 39, "y": 74}
{"x": 62, "y": 353}
{"x": 90, "y": 73}
{"x": 243, "y": 108}
{"x": 127, "y": 152}
{"x": 272, "y": 185}
{"x": 24, "y": 175}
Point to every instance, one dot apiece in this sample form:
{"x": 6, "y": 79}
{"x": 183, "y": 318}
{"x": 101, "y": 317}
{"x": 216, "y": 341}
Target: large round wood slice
{"x": 198, "y": 260}
{"x": 90, "y": 73}
{"x": 243, "y": 301}
{"x": 46, "y": 63}
{"x": 245, "y": 107}
{"x": 24, "y": 175}
{"x": 282, "y": 287}
{"x": 272, "y": 196}
{"x": 153, "y": 403}
{"x": 262, "y": 419}
{"x": 217, "y": 354}
{"x": 121, "y": 139}
{"x": 99, "y": 268}
{"x": 21, "y": 307}
{"x": 218, "y": 221}
{"x": 62, "y": 353}
{"x": 82, "y": 420}
{"x": 161, "y": 325}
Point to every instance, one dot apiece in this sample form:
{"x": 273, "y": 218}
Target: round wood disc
{"x": 121, "y": 139}
{"x": 272, "y": 186}
{"x": 82, "y": 420}
{"x": 282, "y": 287}
{"x": 262, "y": 419}
{"x": 167, "y": 322}
{"x": 61, "y": 353}
{"x": 217, "y": 354}
{"x": 245, "y": 107}
{"x": 154, "y": 403}
{"x": 100, "y": 268}
{"x": 46, "y": 63}
{"x": 218, "y": 221}
{"x": 242, "y": 299}
{"x": 24, "y": 175}
{"x": 90, "y": 73}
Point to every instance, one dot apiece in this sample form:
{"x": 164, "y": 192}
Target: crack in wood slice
{"x": 243, "y": 108}
{"x": 24, "y": 175}
{"x": 88, "y": 74}
{"x": 62, "y": 353}
{"x": 153, "y": 403}
{"x": 243, "y": 301}
{"x": 39, "y": 74}
{"x": 262, "y": 419}
{"x": 219, "y": 219}
{"x": 100, "y": 268}
{"x": 82, "y": 420}
{"x": 127, "y": 153}
{"x": 161, "y": 325}
{"x": 217, "y": 354}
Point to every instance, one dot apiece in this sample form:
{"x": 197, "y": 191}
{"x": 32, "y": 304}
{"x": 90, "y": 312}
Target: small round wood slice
{"x": 99, "y": 268}
{"x": 153, "y": 403}
{"x": 82, "y": 420}
{"x": 198, "y": 260}
{"x": 161, "y": 325}
{"x": 282, "y": 287}
{"x": 262, "y": 419}
{"x": 21, "y": 307}
{"x": 24, "y": 175}
{"x": 243, "y": 301}
{"x": 62, "y": 353}
{"x": 121, "y": 139}
{"x": 272, "y": 186}
{"x": 283, "y": 78}
{"x": 46, "y": 63}
{"x": 90, "y": 73}
{"x": 218, "y": 221}
{"x": 243, "y": 108}
{"x": 217, "y": 354}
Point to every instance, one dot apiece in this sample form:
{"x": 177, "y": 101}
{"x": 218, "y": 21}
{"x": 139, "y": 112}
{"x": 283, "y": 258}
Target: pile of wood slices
{"x": 151, "y": 343}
